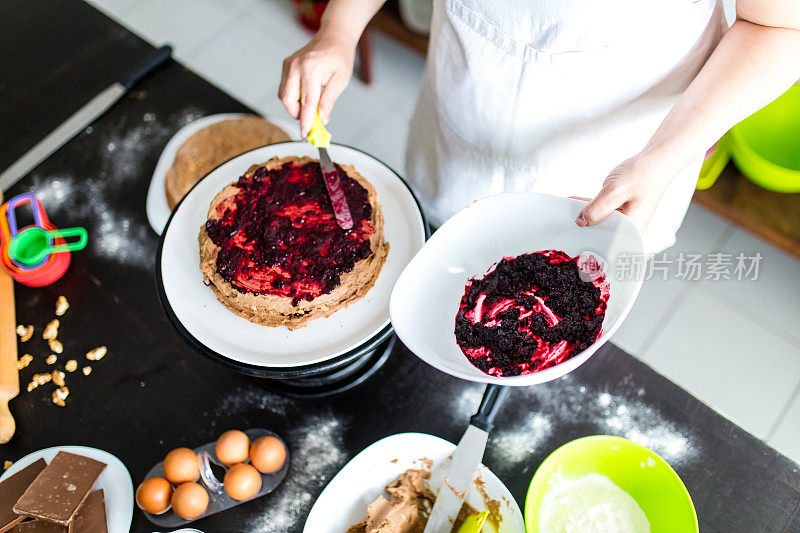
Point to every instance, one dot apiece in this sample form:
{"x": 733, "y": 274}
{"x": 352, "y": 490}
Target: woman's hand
{"x": 315, "y": 76}
{"x": 634, "y": 188}
{"x": 757, "y": 60}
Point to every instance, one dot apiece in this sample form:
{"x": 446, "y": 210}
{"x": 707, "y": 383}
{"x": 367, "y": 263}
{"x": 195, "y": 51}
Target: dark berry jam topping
{"x": 278, "y": 234}
{"x": 530, "y": 313}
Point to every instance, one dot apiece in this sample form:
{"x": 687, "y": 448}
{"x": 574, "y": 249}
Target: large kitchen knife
{"x": 321, "y": 139}
{"x": 465, "y": 462}
{"x": 82, "y": 118}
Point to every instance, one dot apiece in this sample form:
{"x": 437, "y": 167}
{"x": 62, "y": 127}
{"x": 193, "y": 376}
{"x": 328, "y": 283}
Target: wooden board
{"x": 772, "y": 216}
{"x": 9, "y": 376}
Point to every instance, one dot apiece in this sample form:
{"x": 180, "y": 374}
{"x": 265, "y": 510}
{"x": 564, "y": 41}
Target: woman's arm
{"x": 757, "y": 59}
{"x": 315, "y": 76}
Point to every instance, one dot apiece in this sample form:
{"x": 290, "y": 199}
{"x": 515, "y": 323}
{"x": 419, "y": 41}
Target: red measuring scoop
{"x": 45, "y": 268}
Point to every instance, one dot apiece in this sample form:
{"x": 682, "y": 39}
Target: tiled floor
{"x": 735, "y": 344}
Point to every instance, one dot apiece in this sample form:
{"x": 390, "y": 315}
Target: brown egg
{"x": 153, "y": 495}
{"x": 189, "y": 500}
{"x": 181, "y": 465}
{"x": 232, "y": 447}
{"x": 267, "y": 454}
{"x": 242, "y": 481}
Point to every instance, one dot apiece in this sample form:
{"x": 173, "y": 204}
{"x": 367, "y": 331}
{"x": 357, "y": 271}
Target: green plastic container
{"x": 766, "y": 145}
{"x": 714, "y": 164}
{"x": 635, "y": 469}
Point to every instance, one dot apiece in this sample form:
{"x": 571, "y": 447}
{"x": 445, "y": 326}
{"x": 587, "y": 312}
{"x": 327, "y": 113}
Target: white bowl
{"x": 344, "y": 501}
{"x": 427, "y": 294}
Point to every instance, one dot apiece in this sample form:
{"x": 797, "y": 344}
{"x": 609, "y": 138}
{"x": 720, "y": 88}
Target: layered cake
{"x": 531, "y": 312}
{"x": 271, "y": 249}
{"x": 211, "y": 146}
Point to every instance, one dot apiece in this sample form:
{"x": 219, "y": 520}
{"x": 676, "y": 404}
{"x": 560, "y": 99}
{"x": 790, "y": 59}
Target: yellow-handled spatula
{"x": 473, "y": 523}
{"x": 321, "y": 139}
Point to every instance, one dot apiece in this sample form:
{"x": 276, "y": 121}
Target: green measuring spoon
{"x": 31, "y": 245}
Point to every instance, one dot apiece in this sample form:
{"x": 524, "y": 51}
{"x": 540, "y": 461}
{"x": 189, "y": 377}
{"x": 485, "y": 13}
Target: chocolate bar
{"x": 91, "y": 518}
{"x": 12, "y": 488}
{"x": 39, "y": 526}
{"x": 60, "y": 489}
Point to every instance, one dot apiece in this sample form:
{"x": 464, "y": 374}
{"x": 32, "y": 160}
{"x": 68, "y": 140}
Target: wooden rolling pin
{"x": 9, "y": 375}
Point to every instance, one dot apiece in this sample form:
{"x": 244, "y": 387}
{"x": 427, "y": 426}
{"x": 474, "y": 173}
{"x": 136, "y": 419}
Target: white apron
{"x": 551, "y": 95}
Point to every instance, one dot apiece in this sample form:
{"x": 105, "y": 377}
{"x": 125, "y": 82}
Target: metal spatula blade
{"x": 466, "y": 460}
{"x": 321, "y": 139}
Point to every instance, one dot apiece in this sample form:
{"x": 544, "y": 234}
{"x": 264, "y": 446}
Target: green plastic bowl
{"x": 766, "y": 145}
{"x": 638, "y": 471}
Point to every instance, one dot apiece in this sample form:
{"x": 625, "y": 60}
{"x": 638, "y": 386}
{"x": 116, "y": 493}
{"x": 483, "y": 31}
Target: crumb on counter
{"x": 25, "y": 333}
{"x": 59, "y": 395}
{"x": 97, "y": 354}
{"x": 39, "y": 379}
{"x": 58, "y": 378}
{"x": 51, "y": 330}
{"x": 61, "y": 306}
{"x": 24, "y": 361}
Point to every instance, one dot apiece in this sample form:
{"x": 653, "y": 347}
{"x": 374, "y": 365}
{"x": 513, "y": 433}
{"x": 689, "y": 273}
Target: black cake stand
{"x": 331, "y": 376}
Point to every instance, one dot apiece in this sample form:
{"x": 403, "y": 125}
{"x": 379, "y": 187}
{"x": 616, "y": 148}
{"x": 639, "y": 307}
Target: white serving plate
{"x": 344, "y": 501}
{"x": 158, "y": 210}
{"x": 115, "y": 482}
{"x": 227, "y": 334}
{"x": 427, "y": 294}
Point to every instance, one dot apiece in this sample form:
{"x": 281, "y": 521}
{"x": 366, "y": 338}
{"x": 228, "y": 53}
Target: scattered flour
{"x": 316, "y": 454}
{"x": 251, "y": 397}
{"x": 467, "y": 401}
{"x": 515, "y": 446}
{"x": 566, "y": 403}
{"x": 113, "y": 235}
{"x": 118, "y": 233}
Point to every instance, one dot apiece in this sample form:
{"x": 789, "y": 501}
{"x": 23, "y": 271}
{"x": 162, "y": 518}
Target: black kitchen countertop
{"x": 152, "y": 392}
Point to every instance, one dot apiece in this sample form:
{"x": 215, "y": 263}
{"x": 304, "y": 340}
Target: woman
{"x": 617, "y": 101}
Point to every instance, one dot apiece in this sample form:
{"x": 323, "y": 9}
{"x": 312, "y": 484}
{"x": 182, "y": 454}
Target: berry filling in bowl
{"x": 531, "y": 312}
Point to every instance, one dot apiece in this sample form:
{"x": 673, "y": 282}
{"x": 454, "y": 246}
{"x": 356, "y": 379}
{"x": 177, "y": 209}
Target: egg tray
{"x": 218, "y": 499}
